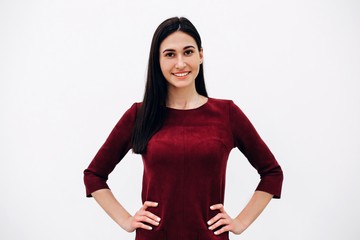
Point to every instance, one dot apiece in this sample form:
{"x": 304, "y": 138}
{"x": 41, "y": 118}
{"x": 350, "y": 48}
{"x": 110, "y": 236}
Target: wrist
{"x": 123, "y": 221}
{"x": 241, "y": 224}
{"x": 126, "y": 224}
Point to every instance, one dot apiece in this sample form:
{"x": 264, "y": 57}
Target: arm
{"x": 254, "y": 208}
{"x": 248, "y": 215}
{"x": 117, "y": 144}
{"x": 249, "y": 142}
{"x": 110, "y": 154}
{"x": 118, "y": 213}
{"x": 260, "y": 157}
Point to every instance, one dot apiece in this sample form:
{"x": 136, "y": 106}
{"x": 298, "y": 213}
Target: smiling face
{"x": 180, "y": 60}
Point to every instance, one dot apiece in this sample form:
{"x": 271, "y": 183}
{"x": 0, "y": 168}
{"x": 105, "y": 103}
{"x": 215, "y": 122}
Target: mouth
{"x": 181, "y": 74}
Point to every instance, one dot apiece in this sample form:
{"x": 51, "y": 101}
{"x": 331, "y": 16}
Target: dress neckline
{"x": 190, "y": 109}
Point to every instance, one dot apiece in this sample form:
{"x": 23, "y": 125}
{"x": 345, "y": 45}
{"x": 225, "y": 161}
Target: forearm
{"x": 112, "y": 207}
{"x": 253, "y": 209}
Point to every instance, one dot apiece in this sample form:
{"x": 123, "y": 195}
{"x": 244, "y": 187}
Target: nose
{"x": 180, "y": 63}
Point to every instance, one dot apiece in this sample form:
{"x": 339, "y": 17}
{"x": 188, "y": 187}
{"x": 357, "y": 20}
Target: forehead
{"x": 177, "y": 40}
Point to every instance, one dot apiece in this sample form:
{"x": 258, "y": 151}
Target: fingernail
{"x": 216, "y": 233}
{"x": 209, "y": 222}
{"x": 158, "y": 219}
{"x": 150, "y": 228}
{"x": 211, "y": 207}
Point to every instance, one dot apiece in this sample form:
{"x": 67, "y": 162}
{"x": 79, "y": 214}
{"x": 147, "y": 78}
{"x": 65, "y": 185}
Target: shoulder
{"x": 135, "y": 107}
{"x": 222, "y": 103}
{"x": 224, "y": 107}
{"x": 130, "y": 114}
{"x": 227, "y": 106}
{"x": 219, "y": 100}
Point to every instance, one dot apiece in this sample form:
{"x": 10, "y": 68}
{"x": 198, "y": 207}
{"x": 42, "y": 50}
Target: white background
{"x": 69, "y": 70}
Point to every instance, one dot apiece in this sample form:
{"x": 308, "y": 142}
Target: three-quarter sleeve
{"x": 111, "y": 152}
{"x": 248, "y": 141}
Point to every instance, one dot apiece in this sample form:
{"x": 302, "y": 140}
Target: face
{"x": 180, "y": 60}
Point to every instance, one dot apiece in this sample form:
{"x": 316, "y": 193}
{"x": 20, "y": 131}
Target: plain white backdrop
{"x": 69, "y": 70}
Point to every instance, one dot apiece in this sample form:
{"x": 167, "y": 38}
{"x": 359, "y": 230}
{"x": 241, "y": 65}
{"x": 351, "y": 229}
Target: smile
{"x": 181, "y": 74}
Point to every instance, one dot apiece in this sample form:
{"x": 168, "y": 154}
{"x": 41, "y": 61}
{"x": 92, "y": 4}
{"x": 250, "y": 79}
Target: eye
{"x": 188, "y": 52}
{"x": 169, "y": 54}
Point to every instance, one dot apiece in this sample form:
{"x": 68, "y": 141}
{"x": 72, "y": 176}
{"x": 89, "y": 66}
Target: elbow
{"x": 93, "y": 182}
{"x": 272, "y": 181}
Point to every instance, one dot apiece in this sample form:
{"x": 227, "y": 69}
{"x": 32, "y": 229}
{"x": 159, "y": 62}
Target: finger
{"x": 222, "y": 230}
{"x": 217, "y": 218}
{"x": 145, "y": 219}
{"x": 147, "y": 214}
{"x": 151, "y": 216}
{"x": 218, "y": 206}
{"x": 149, "y": 204}
{"x": 219, "y": 223}
{"x": 142, "y": 225}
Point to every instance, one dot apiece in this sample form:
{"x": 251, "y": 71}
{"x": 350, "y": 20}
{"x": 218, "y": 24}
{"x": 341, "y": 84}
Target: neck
{"x": 183, "y": 99}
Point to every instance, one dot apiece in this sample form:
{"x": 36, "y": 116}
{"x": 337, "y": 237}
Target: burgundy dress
{"x": 185, "y": 166}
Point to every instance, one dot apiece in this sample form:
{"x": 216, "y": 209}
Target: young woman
{"x": 184, "y": 138}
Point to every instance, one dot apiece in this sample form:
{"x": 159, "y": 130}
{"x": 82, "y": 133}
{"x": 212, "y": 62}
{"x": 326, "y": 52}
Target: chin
{"x": 180, "y": 84}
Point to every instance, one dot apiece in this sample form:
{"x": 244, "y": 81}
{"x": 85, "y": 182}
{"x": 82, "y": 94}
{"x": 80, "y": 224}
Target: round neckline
{"x": 190, "y": 109}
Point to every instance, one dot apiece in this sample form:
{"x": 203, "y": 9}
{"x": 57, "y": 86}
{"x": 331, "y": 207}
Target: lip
{"x": 182, "y": 74}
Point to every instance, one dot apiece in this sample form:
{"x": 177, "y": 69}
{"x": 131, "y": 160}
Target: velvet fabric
{"x": 185, "y": 166}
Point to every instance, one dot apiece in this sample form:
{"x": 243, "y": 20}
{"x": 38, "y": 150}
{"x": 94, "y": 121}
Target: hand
{"x": 223, "y": 219}
{"x": 141, "y": 217}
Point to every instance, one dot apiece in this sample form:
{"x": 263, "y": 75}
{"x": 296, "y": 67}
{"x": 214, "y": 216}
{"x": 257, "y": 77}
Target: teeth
{"x": 181, "y": 74}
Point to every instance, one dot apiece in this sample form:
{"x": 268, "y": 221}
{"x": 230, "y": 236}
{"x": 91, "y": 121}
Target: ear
{"x": 201, "y": 54}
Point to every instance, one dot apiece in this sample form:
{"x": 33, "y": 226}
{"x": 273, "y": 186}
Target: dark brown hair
{"x": 153, "y": 110}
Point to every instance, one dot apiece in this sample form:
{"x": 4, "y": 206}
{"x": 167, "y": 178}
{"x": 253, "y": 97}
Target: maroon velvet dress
{"x": 185, "y": 165}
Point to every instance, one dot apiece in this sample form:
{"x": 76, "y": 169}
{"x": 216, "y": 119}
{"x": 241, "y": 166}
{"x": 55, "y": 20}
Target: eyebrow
{"x": 173, "y": 50}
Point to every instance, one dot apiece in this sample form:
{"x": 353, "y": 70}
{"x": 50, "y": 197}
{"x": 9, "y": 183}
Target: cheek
{"x": 195, "y": 65}
{"x": 194, "y": 62}
{"x": 165, "y": 70}
{"x": 165, "y": 67}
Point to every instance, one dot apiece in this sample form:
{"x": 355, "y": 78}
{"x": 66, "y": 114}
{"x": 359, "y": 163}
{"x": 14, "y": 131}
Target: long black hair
{"x": 152, "y": 113}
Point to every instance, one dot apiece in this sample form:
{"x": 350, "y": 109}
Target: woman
{"x": 185, "y": 139}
